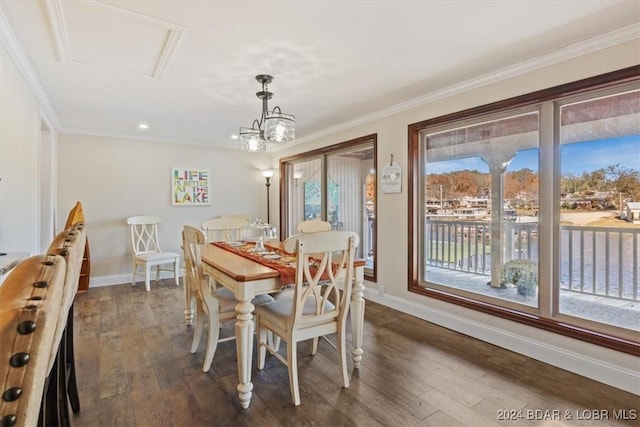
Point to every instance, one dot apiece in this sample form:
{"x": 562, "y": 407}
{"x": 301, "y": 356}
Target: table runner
{"x": 285, "y": 265}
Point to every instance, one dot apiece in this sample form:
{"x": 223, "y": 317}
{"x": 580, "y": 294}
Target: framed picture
{"x": 189, "y": 187}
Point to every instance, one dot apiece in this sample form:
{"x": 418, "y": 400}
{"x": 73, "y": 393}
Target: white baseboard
{"x": 590, "y": 367}
{"x": 122, "y": 279}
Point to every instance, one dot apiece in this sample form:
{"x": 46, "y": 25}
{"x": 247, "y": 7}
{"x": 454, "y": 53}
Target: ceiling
{"x": 186, "y": 68}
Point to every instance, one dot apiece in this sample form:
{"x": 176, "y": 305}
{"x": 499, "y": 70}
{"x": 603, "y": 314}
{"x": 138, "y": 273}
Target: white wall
{"x": 615, "y": 368}
{"x": 19, "y": 139}
{"x": 116, "y": 178}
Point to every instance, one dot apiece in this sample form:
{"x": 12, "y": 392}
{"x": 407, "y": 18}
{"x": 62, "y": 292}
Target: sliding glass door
{"x": 337, "y": 185}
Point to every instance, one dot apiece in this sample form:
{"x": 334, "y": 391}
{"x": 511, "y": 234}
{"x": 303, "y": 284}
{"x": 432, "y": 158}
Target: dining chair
{"x": 197, "y": 237}
{"x": 147, "y": 252}
{"x": 313, "y": 226}
{"x": 217, "y": 305}
{"x": 241, "y": 216}
{"x": 224, "y": 229}
{"x": 310, "y": 313}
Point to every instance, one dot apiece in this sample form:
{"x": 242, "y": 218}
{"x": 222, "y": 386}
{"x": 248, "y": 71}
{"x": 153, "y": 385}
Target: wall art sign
{"x": 189, "y": 187}
{"x": 391, "y": 178}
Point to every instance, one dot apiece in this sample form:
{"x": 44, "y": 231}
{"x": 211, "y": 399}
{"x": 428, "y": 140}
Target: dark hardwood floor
{"x": 134, "y": 369}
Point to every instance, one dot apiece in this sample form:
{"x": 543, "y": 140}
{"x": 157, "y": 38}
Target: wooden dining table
{"x": 247, "y": 278}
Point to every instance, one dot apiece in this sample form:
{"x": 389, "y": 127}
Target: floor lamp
{"x": 267, "y": 176}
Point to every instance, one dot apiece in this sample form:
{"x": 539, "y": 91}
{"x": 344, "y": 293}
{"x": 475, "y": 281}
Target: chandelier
{"x": 278, "y": 126}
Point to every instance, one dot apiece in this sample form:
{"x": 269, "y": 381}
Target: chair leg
{"x": 72, "y": 385}
{"x": 292, "y": 363}
{"x": 147, "y": 275}
{"x": 314, "y": 346}
{"x": 262, "y": 341}
{"x": 212, "y": 343}
{"x": 199, "y": 326}
{"x": 56, "y": 412}
{"x": 135, "y": 269}
{"x": 342, "y": 354}
{"x": 176, "y": 271}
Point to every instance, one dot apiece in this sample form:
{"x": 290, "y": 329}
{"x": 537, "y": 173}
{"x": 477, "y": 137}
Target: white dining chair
{"x": 241, "y": 216}
{"x": 147, "y": 252}
{"x": 313, "y": 226}
{"x": 224, "y": 229}
{"x": 310, "y": 313}
{"x": 217, "y": 305}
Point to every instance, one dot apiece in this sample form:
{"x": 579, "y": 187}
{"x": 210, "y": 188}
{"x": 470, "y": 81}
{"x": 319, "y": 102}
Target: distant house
{"x": 632, "y": 212}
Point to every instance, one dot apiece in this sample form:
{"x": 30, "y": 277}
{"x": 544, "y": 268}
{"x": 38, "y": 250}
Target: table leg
{"x": 244, "y": 350}
{"x": 357, "y": 317}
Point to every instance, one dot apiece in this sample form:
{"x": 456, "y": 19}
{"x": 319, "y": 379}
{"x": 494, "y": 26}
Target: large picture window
{"x": 336, "y": 184}
{"x": 481, "y": 201}
{"x": 525, "y": 209}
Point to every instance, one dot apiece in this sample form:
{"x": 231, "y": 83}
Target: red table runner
{"x": 285, "y": 265}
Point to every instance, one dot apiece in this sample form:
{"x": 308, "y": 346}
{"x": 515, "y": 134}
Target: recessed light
{"x": 143, "y": 126}
{"x": 234, "y": 136}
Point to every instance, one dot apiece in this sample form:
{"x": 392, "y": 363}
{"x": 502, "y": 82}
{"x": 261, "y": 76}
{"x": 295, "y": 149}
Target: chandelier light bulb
{"x": 252, "y": 140}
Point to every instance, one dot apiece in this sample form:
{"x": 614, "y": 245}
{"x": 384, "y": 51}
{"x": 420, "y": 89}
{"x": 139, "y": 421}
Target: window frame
{"x": 548, "y": 151}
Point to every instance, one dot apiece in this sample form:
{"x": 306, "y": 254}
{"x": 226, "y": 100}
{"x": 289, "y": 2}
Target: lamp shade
{"x": 279, "y": 127}
{"x": 251, "y": 140}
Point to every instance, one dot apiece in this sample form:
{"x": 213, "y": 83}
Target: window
{"x": 481, "y": 201}
{"x": 525, "y": 209}
{"x": 336, "y": 184}
{"x": 600, "y": 178}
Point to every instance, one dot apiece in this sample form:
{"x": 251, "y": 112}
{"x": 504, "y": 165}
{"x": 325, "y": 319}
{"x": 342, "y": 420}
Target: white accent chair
{"x": 224, "y": 229}
{"x": 147, "y": 252}
{"x": 310, "y": 313}
{"x": 313, "y": 226}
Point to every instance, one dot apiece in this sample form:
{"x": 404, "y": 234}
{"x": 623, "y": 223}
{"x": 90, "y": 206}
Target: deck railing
{"x": 601, "y": 261}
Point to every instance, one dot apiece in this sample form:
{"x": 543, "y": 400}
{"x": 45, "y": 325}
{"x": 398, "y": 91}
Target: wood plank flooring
{"x": 134, "y": 369}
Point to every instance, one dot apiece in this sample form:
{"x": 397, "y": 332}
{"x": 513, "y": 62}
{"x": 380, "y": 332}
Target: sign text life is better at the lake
{"x": 189, "y": 187}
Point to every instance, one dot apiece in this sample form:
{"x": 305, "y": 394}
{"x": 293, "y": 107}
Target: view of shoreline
{"x": 585, "y": 218}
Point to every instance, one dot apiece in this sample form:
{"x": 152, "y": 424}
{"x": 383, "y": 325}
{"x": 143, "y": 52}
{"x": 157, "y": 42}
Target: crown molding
{"x": 10, "y": 42}
{"x": 59, "y": 30}
{"x": 175, "y": 33}
{"x": 168, "y": 52}
{"x": 63, "y": 44}
{"x": 632, "y": 32}
{"x": 138, "y": 137}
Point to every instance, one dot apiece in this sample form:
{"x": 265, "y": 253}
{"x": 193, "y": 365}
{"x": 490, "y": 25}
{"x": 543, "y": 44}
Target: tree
{"x": 625, "y": 182}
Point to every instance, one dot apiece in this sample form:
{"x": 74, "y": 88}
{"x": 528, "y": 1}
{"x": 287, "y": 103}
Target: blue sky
{"x": 576, "y": 158}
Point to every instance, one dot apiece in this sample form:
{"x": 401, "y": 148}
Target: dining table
{"x": 246, "y": 278}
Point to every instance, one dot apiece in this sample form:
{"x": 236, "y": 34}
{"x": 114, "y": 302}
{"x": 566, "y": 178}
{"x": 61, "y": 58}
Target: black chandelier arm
{"x": 265, "y": 109}
{"x": 256, "y": 122}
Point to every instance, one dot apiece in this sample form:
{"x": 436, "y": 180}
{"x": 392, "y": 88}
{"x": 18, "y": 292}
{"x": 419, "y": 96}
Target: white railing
{"x": 600, "y": 261}
{"x": 593, "y": 260}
